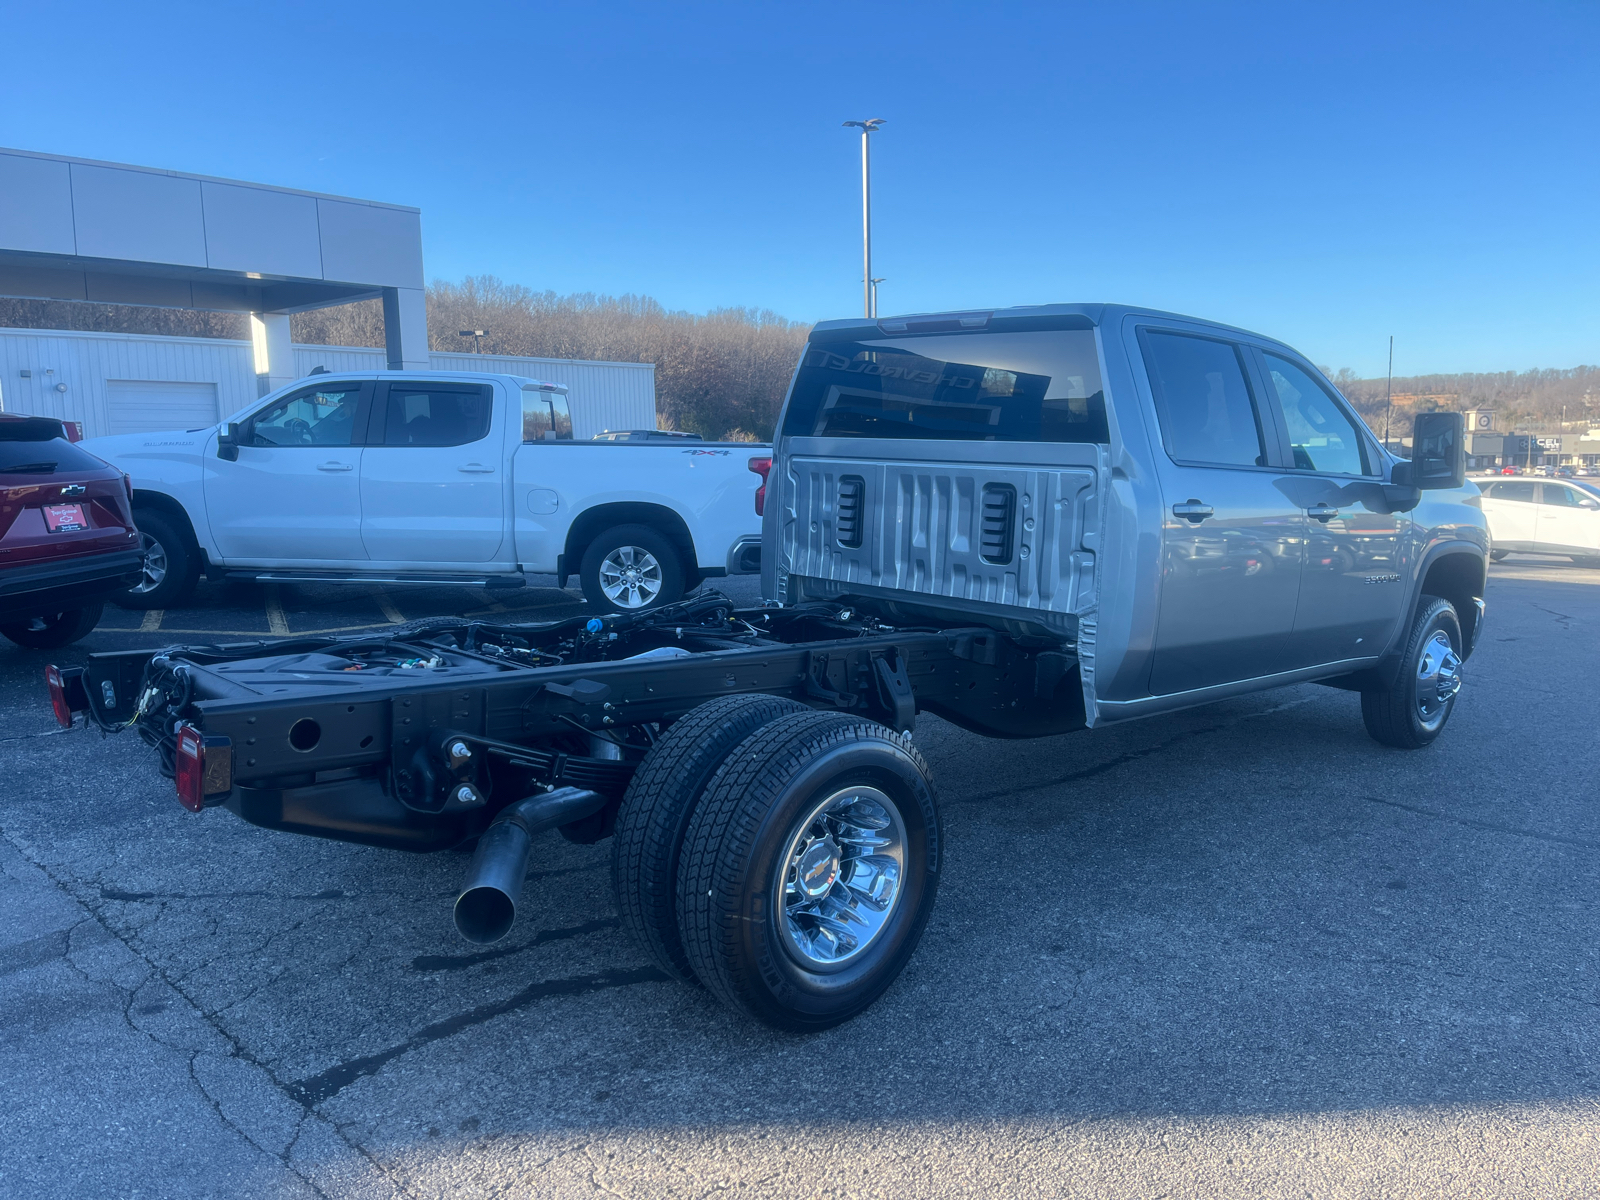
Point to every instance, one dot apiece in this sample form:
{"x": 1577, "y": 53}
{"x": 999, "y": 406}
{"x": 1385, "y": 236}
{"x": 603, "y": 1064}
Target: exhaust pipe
{"x": 487, "y": 905}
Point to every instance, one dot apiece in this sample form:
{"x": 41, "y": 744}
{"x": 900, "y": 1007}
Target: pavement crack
{"x": 154, "y": 971}
{"x": 314, "y": 1089}
{"x": 1490, "y": 826}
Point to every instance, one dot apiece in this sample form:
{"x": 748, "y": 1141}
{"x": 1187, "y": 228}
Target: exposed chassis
{"x": 402, "y": 758}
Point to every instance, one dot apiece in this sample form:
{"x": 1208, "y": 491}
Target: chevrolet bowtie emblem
{"x": 74, "y": 489}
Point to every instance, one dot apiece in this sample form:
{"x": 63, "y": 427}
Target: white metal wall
{"x": 604, "y": 395}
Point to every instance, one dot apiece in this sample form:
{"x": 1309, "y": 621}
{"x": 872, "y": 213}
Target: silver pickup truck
{"x": 1028, "y": 521}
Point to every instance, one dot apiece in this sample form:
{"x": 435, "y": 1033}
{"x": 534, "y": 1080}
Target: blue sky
{"x": 1329, "y": 174}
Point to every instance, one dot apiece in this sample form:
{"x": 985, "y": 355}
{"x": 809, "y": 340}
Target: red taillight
{"x": 190, "y": 768}
{"x": 58, "y": 696}
{"x": 762, "y": 467}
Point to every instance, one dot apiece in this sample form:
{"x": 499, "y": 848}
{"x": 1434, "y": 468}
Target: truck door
{"x": 1508, "y": 506}
{"x": 1563, "y": 523}
{"x": 1232, "y": 542}
{"x": 293, "y": 494}
{"x": 1352, "y": 588}
{"x": 433, "y": 478}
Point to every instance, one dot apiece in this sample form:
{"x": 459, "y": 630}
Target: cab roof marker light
{"x": 936, "y": 322}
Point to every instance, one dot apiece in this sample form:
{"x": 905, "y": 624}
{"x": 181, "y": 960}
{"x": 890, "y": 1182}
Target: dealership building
{"x": 106, "y": 233}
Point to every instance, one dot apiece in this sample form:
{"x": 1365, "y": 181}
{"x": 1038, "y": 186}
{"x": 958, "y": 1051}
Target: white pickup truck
{"x": 436, "y": 477}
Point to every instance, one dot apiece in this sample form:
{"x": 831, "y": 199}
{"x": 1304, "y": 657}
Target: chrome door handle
{"x": 1193, "y": 510}
{"x": 1322, "y": 512}
{"x": 334, "y": 466}
{"x": 476, "y": 469}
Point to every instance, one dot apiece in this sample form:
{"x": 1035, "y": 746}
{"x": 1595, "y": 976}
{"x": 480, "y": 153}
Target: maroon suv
{"x": 67, "y": 541}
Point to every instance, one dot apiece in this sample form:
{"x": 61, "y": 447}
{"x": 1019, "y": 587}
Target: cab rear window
{"x": 992, "y": 387}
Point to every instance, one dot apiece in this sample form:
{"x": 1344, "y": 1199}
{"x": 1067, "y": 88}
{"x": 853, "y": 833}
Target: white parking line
{"x": 387, "y": 606}
{"x": 152, "y": 620}
{"x": 275, "y": 618}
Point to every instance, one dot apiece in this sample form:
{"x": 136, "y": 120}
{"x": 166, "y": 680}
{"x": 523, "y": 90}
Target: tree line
{"x": 1519, "y": 398}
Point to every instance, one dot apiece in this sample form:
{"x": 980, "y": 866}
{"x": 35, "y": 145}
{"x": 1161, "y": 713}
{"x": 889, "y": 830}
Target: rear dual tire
{"x": 786, "y": 812}
{"x": 787, "y": 859}
{"x": 656, "y": 810}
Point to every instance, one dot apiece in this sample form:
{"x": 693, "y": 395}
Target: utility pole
{"x": 867, "y": 127}
{"x": 1388, "y": 396}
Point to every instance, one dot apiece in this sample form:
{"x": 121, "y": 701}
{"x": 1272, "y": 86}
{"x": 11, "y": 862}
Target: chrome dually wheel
{"x": 841, "y": 877}
{"x": 1438, "y": 679}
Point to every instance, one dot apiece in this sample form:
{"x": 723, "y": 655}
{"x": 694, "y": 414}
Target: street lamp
{"x": 867, "y": 127}
{"x": 873, "y": 309}
{"x": 477, "y": 339}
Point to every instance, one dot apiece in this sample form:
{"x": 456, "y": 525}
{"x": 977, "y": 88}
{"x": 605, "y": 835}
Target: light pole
{"x": 477, "y": 339}
{"x": 872, "y": 310}
{"x": 867, "y": 127}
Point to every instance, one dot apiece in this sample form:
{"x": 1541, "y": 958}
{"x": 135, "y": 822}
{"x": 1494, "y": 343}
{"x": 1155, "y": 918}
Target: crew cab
{"x": 1028, "y": 521}
{"x": 67, "y": 540}
{"x": 434, "y": 477}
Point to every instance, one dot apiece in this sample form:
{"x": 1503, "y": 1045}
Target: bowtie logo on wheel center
{"x": 819, "y": 867}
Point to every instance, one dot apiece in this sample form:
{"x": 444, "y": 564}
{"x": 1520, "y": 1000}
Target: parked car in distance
{"x": 1543, "y": 517}
{"x": 438, "y": 477}
{"x": 67, "y": 540}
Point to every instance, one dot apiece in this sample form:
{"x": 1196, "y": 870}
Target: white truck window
{"x": 433, "y": 415}
{"x": 310, "y": 417}
{"x": 545, "y": 417}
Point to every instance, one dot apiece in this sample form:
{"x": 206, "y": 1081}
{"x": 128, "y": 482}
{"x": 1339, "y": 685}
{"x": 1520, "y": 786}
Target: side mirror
{"x": 1438, "y": 451}
{"x": 1589, "y": 503}
{"x": 228, "y": 441}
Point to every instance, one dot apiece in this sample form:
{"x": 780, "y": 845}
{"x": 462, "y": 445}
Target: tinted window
{"x": 1323, "y": 437}
{"x": 988, "y": 387}
{"x": 1206, "y": 410}
{"x": 1514, "y": 491}
{"x": 1561, "y": 497}
{"x": 420, "y": 415}
{"x": 310, "y": 417}
{"x": 545, "y": 417}
{"x": 45, "y": 458}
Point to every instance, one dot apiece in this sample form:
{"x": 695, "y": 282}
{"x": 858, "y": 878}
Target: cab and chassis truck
{"x": 1027, "y": 521}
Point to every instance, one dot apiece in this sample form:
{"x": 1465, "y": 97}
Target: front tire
{"x": 631, "y": 568}
{"x": 57, "y": 629}
{"x": 171, "y": 564}
{"x": 809, "y": 870}
{"x": 1499, "y": 555}
{"x": 658, "y": 806}
{"x": 1413, "y": 710}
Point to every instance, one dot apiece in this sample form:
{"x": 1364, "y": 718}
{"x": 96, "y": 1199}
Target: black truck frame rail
{"x": 418, "y": 765}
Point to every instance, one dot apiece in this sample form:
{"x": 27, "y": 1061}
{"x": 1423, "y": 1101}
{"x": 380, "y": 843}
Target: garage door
{"x": 147, "y": 405}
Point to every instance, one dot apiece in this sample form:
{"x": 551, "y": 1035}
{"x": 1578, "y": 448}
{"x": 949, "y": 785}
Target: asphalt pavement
{"x": 1241, "y": 950}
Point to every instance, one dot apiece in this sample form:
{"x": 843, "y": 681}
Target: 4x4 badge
{"x": 74, "y": 489}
